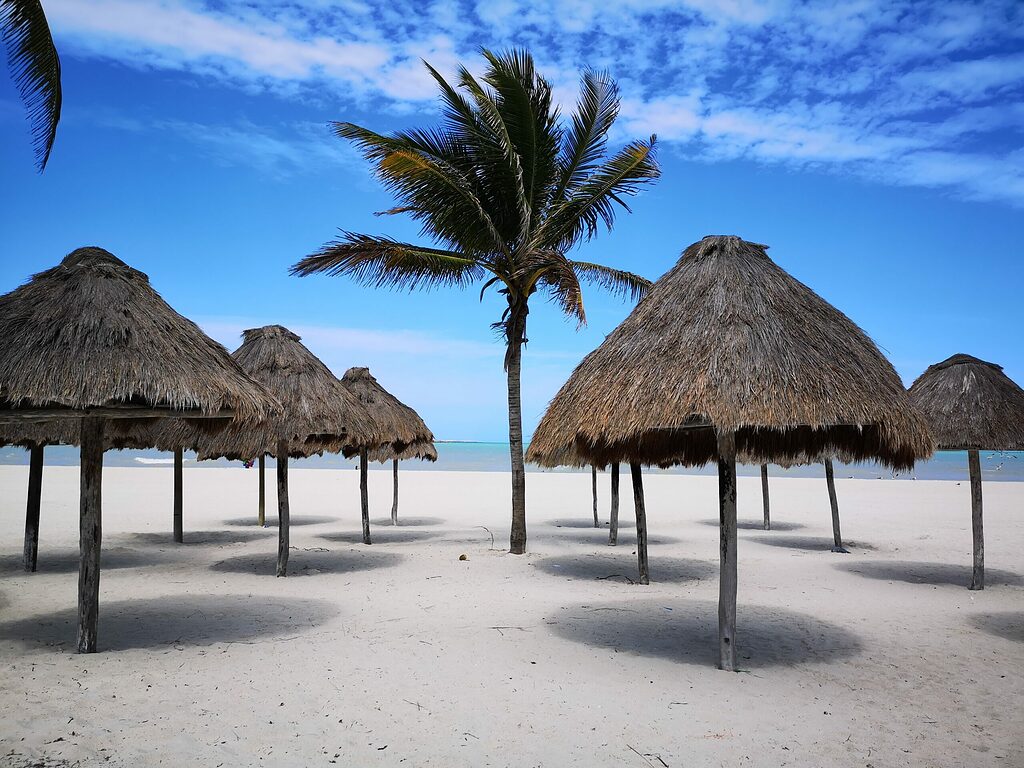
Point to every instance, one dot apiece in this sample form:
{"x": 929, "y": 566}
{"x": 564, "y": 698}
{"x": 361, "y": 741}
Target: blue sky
{"x": 877, "y": 149}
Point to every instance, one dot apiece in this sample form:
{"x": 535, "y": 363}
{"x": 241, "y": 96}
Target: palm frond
{"x": 618, "y": 282}
{"x": 384, "y": 263}
{"x": 587, "y": 138}
{"x": 35, "y": 67}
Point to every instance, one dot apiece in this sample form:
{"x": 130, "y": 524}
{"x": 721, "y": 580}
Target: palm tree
{"x": 504, "y": 190}
{"x": 35, "y": 67}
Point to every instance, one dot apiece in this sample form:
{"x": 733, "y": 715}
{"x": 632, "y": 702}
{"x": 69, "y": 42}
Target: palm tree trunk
{"x": 513, "y": 365}
{"x": 593, "y": 485}
{"x": 837, "y": 536}
{"x": 978, "y": 573}
{"x": 35, "y": 491}
{"x": 394, "y": 503}
{"x": 613, "y": 514}
{"x": 764, "y": 497}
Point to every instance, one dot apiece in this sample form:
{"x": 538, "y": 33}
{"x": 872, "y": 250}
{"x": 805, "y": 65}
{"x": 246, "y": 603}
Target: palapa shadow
{"x": 312, "y": 562}
{"x": 809, "y": 543}
{"x": 588, "y": 534}
{"x": 293, "y": 520}
{"x": 65, "y": 560}
{"x": 177, "y": 620}
{"x": 577, "y": 522}
{"x": 622, "y": 568}
{"x": 385, "y": 534}
{"x": 928, "y": 573}
{"x": 1005, "y": 624}
{"x": 409, "y": 522}
{"x": 758, "y": 525}
{"x": 687, "y": 631}
{"x": 196, "y": 538}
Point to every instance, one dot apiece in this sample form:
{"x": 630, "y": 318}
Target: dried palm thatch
{"x": 727, "y": 340}
{"x": 91, "y": 333}
{"x": 406, "y": 435}
{"x": 729, "y": 355}
{"x": 972, "y": 405}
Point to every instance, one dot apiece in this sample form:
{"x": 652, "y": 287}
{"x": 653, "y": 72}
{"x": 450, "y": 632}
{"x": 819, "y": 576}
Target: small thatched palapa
{"x": 405, "y": 433}
{"x": 729, "y": 355}
{"x": 91, "y": 339}
{"x": 972, "y": 405}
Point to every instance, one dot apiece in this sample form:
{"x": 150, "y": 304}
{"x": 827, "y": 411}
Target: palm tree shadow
{"x": 179, "y": 620}
{"x": 310, "y": 563}
{"x": 271, "y": 522}
{"x": 386, "y": 534}
{"x": 623, "y": 568}
{"x": 67, "y": 560}
{"x": 1005, "y": 624}
{"x": 686, "y": 631}
{"x": 809, "y": 543}
{"x": 929, "y": 573}
{"x": 758, "y": 525}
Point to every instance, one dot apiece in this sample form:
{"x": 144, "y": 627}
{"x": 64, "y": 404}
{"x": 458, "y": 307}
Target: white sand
{"x": 400, "y": 654}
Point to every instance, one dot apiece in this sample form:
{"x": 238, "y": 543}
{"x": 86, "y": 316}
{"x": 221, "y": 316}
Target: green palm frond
{"x": 587, "y": 138}
{"x": 616, "y": 281}
{"x": 35, "y": 67}
{"x": 381, "y": 262}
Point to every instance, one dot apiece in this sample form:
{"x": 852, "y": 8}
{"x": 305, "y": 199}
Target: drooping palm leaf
{"x": 35, "y": 67}
{"x": 618, "y": 282}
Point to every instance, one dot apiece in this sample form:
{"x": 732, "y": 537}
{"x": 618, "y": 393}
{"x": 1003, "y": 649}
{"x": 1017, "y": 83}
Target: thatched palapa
{"x": 407, "y": 436}
{"x": 729, "y": 355}
{"x": 972, "y": 405}
{"x": 91, "y": 339}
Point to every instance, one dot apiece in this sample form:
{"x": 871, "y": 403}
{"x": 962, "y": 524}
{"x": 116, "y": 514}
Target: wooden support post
{"x": 262, "y": 514}
{"x": 727, "y": 551}
{"x": 283, "y": 512}
{"x": 364, "y": 495}
{"x": 830, "y": 480}
{"x": 641, "y": 523}
{"x": 593, "y": 485}
{"x": 613, "y": 515}
{"x": 394, "y": 503}
{"x": 90, "y": 533}
{"x": 764, "y": 497}
{"x": 978, "y": 573}
{"x": 35, "y": 492}
{"x": 179, "y": 534}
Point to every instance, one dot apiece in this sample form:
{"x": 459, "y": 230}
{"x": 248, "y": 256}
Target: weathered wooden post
{"x": 394, "y": 503}
{"x": 830, "y": 480}
{"x": 35, "y": 492}
{"x": 262, "y": 515}
{"x": 613, "y": 514}
{"x": 641, "y": 523}
{"x": 978, "y": 573}
{"x": 283, "y": 515}
{"x": 179, "y": 535}
{"x": 593, "y": 485}
{"x": 364, "y": 495}
{"x": 90, "y": 532}
{"x": 764, "y": 497}
{"x": 727, "y": 551}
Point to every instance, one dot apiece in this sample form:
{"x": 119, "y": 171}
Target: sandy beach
{"x": 401, "y": 654}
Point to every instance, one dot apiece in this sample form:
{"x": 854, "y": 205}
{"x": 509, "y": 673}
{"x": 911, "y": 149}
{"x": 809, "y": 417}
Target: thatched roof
{"x": 92, "y": 333}
{"x": 319, "y": 412}
{"x": 405, "y": 433}
{"x": 728, "y": 339}
{"x": 971, "y": 404}
{"x": 118, "y": 434}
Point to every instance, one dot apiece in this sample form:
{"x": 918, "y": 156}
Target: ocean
{"x": 493, "y": 457}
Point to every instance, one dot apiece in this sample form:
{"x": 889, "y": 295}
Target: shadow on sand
{"x": 1006, "y": 624}
{"x": 687, "y": 631}
{"x": 809, "y": 543}
{"x": 197, "y": 537}
{"x": 383, "y": 534}
{"x": 250, "y": 522}
{"x": 67, "y": 560}
{"x": 622, "y": 568}
{"x": 588, "y": 534}
{"x": 929, "y": 573}
{"x": 309, "y": 563}
{"x": 177, "y": 620}
{"x": 409, "y": 522}
{"x": 758, "y": 525}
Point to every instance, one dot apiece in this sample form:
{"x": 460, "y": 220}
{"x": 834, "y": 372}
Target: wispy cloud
{"x": 883, "y": 89}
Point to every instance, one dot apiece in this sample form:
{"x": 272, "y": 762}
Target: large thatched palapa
{"x": 90, "y": 339}
{"x": 972, "y": 405}
{"x": 729, "y": 354}
{"x": 319, "y": 414}
{"x": 407, "y": 436}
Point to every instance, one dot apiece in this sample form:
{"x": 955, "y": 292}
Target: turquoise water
{"x": 494, "y": 457}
